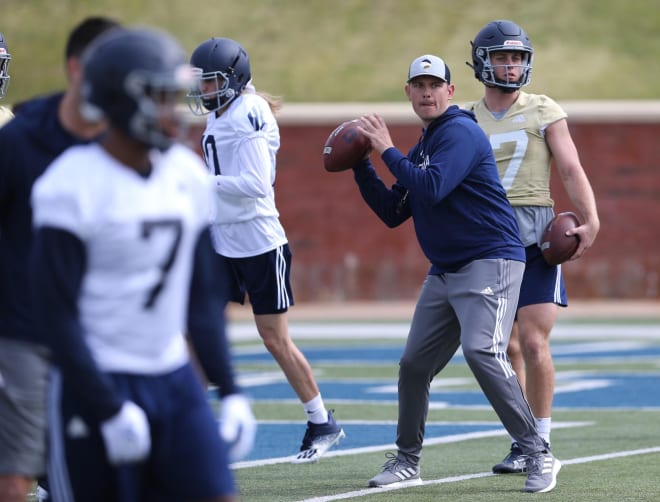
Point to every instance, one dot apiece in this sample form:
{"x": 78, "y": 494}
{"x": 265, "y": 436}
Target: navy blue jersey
{"x": 28, "y": 144}
{"x": 450, "y": 186}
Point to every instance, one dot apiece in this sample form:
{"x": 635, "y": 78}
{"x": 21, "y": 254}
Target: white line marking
{"x": 466, "y": 477}
{"x": 452, "y": 438}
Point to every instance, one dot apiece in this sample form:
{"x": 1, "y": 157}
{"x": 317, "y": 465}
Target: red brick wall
{"x": 342, "y": 251}
{"x": 623, "y": 164}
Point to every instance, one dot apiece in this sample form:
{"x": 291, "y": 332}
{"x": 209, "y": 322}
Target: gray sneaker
{"x": 514, "y": 463}
{"x": 542, "y": 469}
{"x": 397, "y": 471}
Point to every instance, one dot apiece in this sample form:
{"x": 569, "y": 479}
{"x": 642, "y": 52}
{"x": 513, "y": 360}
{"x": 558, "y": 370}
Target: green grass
{"x": 359, "y": 50}
{"x": 631, "y": 478}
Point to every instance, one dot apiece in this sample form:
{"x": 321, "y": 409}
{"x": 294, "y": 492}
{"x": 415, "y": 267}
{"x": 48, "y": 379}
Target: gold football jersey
{"x": 518, "y": 141}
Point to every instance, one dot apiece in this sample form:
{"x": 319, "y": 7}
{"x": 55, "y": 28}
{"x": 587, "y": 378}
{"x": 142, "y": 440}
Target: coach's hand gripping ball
{"x": 345, "y": 147}
{"x": 556, "y": 246}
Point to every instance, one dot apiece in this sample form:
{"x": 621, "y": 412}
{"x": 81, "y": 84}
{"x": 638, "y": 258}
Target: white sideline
{"x": 452, "y": 438}
{"x": 465, "y": 477}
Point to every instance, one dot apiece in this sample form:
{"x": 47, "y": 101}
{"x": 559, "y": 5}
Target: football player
{"x": 527, "y": 132}
{"x": 240, "y": 145}
{"x": 122, "y": 268}
{"x": 44, "y": 127}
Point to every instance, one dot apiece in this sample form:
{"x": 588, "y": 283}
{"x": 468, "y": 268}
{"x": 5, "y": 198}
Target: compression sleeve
{"x": 57, "y": 269}
{"x": 206, "y": 316}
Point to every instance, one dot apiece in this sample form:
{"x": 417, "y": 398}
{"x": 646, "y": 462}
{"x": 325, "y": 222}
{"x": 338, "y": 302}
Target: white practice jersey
{"x": 139, "y": 234}
{"x": 240, "y": 148}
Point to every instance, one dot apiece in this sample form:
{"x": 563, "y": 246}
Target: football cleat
{"x": 514, "y": 463}
{"x": 318, "y": 439}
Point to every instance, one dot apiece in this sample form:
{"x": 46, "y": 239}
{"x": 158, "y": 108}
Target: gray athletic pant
{"x": 473, "y": 307}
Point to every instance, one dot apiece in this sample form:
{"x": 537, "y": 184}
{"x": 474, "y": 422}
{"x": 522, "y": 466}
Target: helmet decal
{"x": 501, "y": 36}
{"x": 225, "y": 66}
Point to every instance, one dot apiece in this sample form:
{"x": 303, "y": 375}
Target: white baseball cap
{"x": 429, "y": 65}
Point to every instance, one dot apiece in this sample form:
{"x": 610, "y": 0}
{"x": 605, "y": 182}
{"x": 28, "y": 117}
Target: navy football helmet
{"x": 499, "y": 36}
{"x": 131, "y": 77}
{"x": 5, "y": 57}
{"x": 226, "y": 62}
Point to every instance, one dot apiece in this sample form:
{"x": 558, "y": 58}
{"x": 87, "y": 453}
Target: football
{"x": 556, "y": 246}
{"x": 345, "y": 147}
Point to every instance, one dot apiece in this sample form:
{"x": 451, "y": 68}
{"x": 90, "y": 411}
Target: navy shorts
{"x": 265, "y": 279}
{"x": 542, "y": 283}
{"x": 188, "y": 459}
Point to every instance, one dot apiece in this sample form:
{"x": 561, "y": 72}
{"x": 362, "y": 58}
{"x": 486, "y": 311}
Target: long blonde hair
{"x": 275, "y": 102}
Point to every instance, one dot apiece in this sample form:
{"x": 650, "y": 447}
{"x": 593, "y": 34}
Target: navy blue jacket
{"x": 28, "y": 144}
{"x": 450, "y": 186}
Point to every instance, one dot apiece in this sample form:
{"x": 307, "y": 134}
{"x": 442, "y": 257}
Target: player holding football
{"x": 527, "y": 132}
{"x": 240, "y": 146}
{"x": 122, "y": 267}
{"x": 448, "y": 185}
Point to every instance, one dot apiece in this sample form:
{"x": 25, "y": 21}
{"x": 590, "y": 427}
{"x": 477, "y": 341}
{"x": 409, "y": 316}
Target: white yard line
{"x": 452, "y": 438}
{"x": 466, "y": 477}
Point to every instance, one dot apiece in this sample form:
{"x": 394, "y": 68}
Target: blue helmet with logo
{"x": 499, "y": 36}
{"x": 227, "y": 63}
{"x": 129, "y": 75}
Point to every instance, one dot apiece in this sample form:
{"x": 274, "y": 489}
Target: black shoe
{"x": 514, "y": 463}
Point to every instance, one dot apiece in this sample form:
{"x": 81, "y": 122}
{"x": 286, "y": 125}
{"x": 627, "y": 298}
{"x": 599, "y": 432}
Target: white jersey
{"x": 240, "y": 148}
{"x": 139, "y": 235}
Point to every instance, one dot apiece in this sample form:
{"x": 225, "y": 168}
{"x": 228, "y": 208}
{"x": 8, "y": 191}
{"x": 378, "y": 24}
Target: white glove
{"x": 126, "y": 435}
{"x": 238, "y": 426}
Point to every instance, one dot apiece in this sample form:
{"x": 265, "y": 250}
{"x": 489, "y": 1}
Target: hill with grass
{"x": 359, "y": 50}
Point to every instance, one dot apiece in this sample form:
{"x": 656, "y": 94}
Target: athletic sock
{"x": 315, "y": 410}
{"x": 543, "y": 426}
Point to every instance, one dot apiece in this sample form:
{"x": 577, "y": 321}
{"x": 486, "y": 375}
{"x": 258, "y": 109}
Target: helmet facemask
{"x": 4, "y": 72}
{"x": 202, "y": 103}
{"x": 225, "y": 71}
{"x": 157, "y": 120}
{"x": 488, "y": 75}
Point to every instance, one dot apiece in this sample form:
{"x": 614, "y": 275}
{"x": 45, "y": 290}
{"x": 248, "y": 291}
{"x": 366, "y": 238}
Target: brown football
{"x": 556, "y": 246}
{"x": 345, "y": 147}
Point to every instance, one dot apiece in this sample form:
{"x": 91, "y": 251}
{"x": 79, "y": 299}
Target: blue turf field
{"x": 575, "y": 389}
